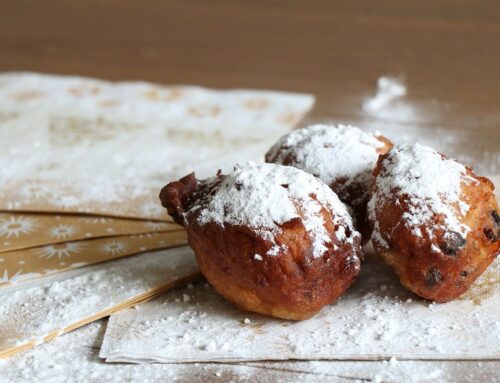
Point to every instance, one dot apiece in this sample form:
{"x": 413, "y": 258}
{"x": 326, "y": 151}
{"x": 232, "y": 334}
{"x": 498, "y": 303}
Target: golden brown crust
{"x": 175, "y": 196}
{"x": 239, "y": 261}
{"x": 290, "y": 285}
{"x": 443, "y": 267}
{"x": 387, "y": 144}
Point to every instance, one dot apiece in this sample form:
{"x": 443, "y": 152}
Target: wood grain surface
{"x": 448, "y": 52}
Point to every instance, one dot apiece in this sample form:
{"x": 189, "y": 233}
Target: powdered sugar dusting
{"x": 376, "y": 318}
{"x": 137, "y": 133}
{"x": 330, "y": 152}
{"x": 388, "y": 89}
{"x": 430, "y": 184}
{"x": 74, "y": 358}
{"x": 264, "y": 196}
{"x": 30, "y": 314}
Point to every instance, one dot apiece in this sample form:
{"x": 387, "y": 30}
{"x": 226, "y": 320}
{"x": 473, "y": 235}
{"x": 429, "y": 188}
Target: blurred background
{"x": 446, "y": 52}
{"x": 418, "y": 71}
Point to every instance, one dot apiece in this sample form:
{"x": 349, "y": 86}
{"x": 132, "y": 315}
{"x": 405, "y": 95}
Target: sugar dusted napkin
{"x": 34, "y": 314}
{"x": 26, "y": 264}
{"x": 106, "y": 148}
{"x": 376, "y": 319}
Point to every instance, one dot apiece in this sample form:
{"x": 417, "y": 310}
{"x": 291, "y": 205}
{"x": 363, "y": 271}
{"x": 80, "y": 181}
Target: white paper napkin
{"x": 106, "y": 148}
{"x": 376, "y": 319}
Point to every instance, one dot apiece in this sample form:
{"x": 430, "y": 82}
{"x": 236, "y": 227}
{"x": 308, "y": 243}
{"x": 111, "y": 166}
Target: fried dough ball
{"x": 435, "y": 222}
{"x": 271, "y": 239}
{"x": 342, "y": 156}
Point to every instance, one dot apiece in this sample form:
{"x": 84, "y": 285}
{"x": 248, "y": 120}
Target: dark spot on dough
{"x": 433, "y": 277}
{"x": 490, "y": 234}
{"x": 348, "y": 232}
{"x": 464, "y": 273}
{"x": 496, "y": 217}
{"x": 452, "y": 243}
{"x": 262, "y": 281}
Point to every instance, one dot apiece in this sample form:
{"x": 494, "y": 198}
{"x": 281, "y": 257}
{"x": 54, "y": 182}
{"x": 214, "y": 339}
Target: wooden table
{"x": 447, "y": 51}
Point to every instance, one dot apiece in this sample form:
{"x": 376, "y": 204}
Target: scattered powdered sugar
{"x": 366, "y": 323}
{"x": 29, "y": 314}
{"x": 74, "y": 358}
{"x": 264, "y": 196}
{"x": 114, "y": 141}
{"x": 430, "y": 184}
{"x": 388, "y": 89}
{"x": 472, "y": 139}
{"x": 330, "y": 152}
{"x": 258, "y": 257}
